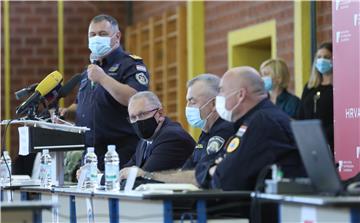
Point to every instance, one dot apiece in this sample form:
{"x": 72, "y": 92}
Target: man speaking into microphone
{"x": 105, "y": 88}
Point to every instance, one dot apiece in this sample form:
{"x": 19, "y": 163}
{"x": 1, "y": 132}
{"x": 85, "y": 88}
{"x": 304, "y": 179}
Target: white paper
{"x": 308, "y": 214}
{"x": 23, "y": 140}
{"x": 131, "y": 179}
{"x": 55, "y": 211}
{"x": 90, "y": 210}
{"x": 82, "y": 176}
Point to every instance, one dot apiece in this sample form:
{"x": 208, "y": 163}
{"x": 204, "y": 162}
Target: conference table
{"x": 313, "y": 208}
{"x": 76, "y": 205}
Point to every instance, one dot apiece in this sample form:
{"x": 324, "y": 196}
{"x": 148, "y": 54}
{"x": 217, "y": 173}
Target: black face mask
{"x": 145, "y": 128}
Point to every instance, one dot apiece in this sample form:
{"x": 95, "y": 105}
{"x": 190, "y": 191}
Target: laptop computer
{"x": 317, "y": 157}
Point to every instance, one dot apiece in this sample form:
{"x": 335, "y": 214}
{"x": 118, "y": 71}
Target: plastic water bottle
{"x": 111, "y": 169}
{"x": 91, "y": 168}
{"x": 5, "y": 174}
{"x": 45, "y": 169}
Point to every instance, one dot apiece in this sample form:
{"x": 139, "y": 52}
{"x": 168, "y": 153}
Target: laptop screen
{"x": 316, "y": 156}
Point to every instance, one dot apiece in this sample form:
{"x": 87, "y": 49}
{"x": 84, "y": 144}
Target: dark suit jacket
{"x": 168, "y": 150}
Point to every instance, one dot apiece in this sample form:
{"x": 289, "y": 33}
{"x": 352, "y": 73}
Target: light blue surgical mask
{"x": 324, "y": 66}
{"x": 267, "y": 83}
{"x": 100, "y": 45}
{"x": 193, "y": 116}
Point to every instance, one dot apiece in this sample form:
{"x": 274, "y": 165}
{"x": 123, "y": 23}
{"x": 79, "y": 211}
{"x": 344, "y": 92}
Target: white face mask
{"x": 225, "y": 114}
{"x": 100, "y": 45}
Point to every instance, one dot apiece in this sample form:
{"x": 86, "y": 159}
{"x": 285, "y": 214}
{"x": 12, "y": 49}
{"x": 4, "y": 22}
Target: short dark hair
{"x": 110, "y": 19}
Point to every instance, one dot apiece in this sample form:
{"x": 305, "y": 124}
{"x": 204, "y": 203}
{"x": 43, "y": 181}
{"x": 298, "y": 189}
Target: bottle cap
{"x": 90, "y": 149}
{"x": 45, "y": 151}
{"x": 111, "y": 148}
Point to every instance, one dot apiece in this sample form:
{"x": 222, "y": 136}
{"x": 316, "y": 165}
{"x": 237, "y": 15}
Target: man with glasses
{"x": 106, "y": 86}
{"x": 164, "y": 144}
{"x": 263, "y": 134}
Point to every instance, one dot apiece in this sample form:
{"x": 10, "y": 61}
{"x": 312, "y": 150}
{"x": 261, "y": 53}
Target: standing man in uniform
{"x": 263, "y": 137}
{"x": 200, "y": 113}
{"x": 106, "y": 86}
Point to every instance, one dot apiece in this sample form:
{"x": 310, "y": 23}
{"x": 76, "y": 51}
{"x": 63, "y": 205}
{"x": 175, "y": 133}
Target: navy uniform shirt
{"x": 105, "y": 116}
{"x": 264, "y": 137}
{"x": 210, "y": 144}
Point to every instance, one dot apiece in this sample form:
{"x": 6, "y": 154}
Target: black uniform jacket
{"x": 263, "y": 138}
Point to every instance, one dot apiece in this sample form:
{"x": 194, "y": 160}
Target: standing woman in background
{"x": 317, "y": 97}
{"x": 276, "y": 77}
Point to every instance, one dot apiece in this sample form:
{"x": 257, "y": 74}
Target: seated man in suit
{"x": 163, "y": 144}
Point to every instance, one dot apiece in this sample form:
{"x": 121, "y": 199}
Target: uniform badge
{"x": 233, "y": 145}
{"x": 135, "y": 57}
{"x": 141, "y": 68}
{"x": 199, "y": 146}
{"x": 141, "y": 78}
{"x": 214, "y": 145}
{"x": 114, "y": 68}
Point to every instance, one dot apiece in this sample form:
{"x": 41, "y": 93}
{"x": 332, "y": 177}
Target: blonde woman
{"x": 317, "y": 97}
{"x": 276, "y": 77}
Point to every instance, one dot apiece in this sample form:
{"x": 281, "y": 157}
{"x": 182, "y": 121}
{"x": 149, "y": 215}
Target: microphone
{"x": 47, "y": 85}
{"x": 25, "y": 91}
{"x": 69, "y": 86}
{"x": 96, "y": 62}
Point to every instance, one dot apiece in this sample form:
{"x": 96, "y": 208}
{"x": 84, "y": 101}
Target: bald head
{"x": 243, "y": 89}
{"x": 244, "y": 77}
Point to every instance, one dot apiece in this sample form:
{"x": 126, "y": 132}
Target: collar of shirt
{"x": 114, "y": 55}
{"x": 262, "y": 103}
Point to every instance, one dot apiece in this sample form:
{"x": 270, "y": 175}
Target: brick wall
{"x": 34, "y": 43}
{"x": 144, "y": 10}
{"x": 324, "y": 21}
{"x": 222, "y": 17}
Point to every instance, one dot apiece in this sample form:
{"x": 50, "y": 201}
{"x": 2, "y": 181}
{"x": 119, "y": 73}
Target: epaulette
{"x": 135, "y": 57}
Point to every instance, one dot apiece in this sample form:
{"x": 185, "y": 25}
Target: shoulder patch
{"x": 135, "y": 57}
{"x": 241, "y": 131}
{"x": 215, "y": 144}
{"x": 141, "y": 68}
{"x": 233, "y": 145}
{"x": 141, "y": 78}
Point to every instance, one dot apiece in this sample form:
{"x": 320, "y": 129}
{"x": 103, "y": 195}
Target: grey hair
{"x": 149, "y": 96}
{"x": 110, "y": 19}
{"x": 212, "y": 82}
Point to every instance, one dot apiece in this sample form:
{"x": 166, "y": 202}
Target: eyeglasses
{"x": 141, "y": 115}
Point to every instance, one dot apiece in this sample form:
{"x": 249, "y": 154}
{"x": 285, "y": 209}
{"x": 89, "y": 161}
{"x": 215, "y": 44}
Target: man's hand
{"x": 213, "y": 168}
{"x": 124, "y": 173}
{"x": 95, "y": 73}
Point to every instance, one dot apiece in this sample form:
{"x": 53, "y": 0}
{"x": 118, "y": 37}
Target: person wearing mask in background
{"x": 317, "y": 96}
{"x": 200, "y": 113}
{"x": 263, "y": 135}
{"x": 105, "y": 88}
{"x": 276, "y": 77}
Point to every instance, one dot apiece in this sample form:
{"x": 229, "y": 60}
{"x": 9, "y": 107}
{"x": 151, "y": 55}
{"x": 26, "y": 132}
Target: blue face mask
{"x": 324, "y": 66}
{"x": 100, "y": 45}
{"x": 193, "y": 117}
{"x": 267, "y": 83}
